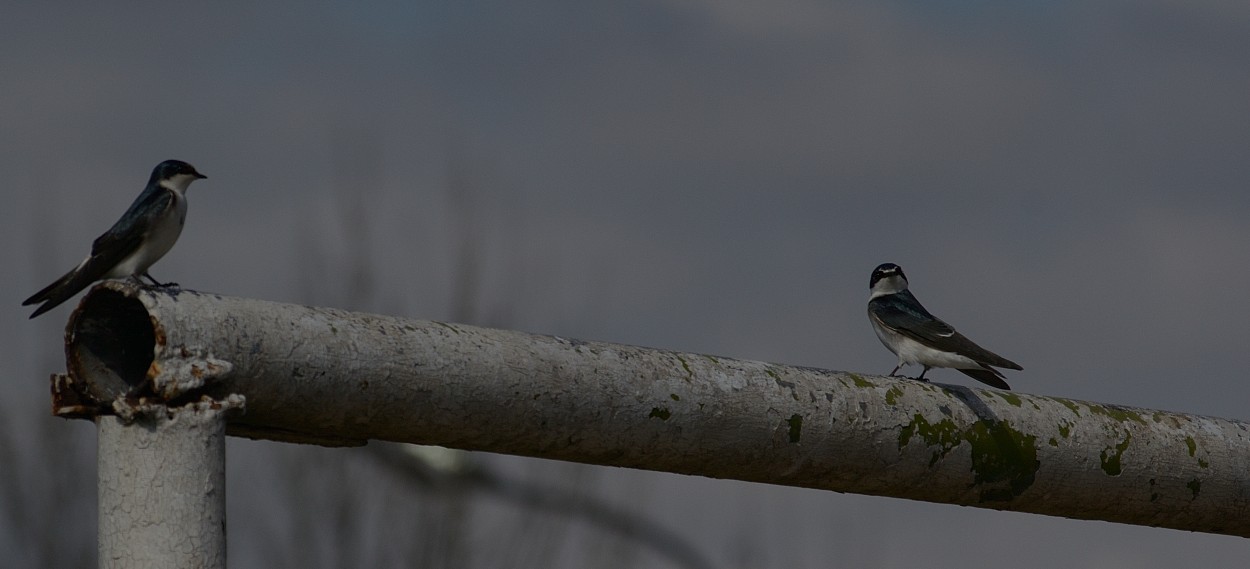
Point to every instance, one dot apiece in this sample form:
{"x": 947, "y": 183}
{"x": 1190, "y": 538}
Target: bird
{"x": 918, "y": 337}
{"x": 142, "y": 236}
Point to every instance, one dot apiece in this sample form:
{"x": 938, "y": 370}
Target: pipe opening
{"x": 112, "y": 344}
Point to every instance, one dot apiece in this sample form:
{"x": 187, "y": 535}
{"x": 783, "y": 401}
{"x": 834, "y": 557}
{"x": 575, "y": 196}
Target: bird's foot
{"x": 155, "y": 282}
{"x": 921, "y": 379}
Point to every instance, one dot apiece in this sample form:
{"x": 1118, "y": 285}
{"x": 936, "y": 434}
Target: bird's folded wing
{"x": 903, "y": 314}
{"x": 130, "y": 231}
{"x": 988, "y": 376}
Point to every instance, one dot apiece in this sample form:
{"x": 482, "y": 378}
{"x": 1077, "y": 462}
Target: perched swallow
{"x": 917, "y": 337}
{"x": 142, "y": 236}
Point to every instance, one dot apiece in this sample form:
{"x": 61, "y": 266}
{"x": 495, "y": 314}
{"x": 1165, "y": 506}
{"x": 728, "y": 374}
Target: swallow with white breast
{"x": 142, "y": 236}
{"x": 917, "y": 337}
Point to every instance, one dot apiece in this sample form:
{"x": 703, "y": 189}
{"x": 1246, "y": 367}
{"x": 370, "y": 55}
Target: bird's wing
{"x": 45, "y": 292}
{"x": 108, "y": 249}
{"x": 902, "y": 313}
{"x": 988, "y": 376}
{"x": 129, "y": 232}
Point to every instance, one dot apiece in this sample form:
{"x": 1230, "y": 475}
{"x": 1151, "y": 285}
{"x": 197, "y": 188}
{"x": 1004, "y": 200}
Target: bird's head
{"x": 175, "y": 174}
{"x": 887, "y": 278}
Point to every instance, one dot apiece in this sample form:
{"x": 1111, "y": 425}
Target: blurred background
{"x": 1065, "y": 182}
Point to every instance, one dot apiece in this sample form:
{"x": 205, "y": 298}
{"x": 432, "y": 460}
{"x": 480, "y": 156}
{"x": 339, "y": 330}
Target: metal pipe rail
{"x": 333, "y": 377}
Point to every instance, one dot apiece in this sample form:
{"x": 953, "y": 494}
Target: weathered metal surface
{"x": 162, "y": 485}
{"x": 333, "y": 377}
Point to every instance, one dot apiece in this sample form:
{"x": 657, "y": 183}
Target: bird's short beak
{"x": 200, "y": 176}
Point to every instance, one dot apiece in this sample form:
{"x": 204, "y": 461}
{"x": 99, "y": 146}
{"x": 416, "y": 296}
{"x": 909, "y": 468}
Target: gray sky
{"x": 1065, "y": 182}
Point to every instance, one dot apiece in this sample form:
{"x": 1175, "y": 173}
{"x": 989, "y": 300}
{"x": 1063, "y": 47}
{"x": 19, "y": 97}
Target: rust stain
{"x": 71, "y": 400}
{"x": 158, "y": 331}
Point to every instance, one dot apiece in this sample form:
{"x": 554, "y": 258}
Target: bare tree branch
{"x": 474, "y": 475}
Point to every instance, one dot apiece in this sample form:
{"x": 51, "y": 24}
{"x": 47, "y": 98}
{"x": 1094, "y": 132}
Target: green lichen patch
{"x": 860, "y": 382}
{"x": 1202, "y": 463}
{"x": 674, "y": 397}
{"x": 1111, "y": 457}
{"x": 892, "y": 394}
{"x": 943, "y": 434}
{"x": 1011, "y": 398}
{"x": 1053, "y": 442}
{"x": 1065, "y": 430}
{"x": 1120, "y": 414}
{"x": 1193, "y": 445}
{"x": 1069, "y": 404}
{"x": 796, "y": 427}
{"x": 712, "y": 359}
{"x": 686, "y": 366}
{"x": 772, "y": 374}
{"x": 1004, "y": 460}
{"x": 1195, "y": 486}
{"x": 661, "y": 413}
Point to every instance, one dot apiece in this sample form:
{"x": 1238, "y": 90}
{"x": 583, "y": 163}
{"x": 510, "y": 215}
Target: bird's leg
{"x": 158, "y": 283}
{"x": 921, "y": 378}
{"x": 895, "y": 370}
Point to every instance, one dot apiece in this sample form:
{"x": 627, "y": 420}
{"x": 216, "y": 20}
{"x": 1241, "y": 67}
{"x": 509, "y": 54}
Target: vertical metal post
{"x": 163, "y": 487}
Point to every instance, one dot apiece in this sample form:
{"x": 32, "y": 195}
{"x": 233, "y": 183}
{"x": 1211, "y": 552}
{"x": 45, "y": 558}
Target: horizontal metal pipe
{"x": 334, "y": 377}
